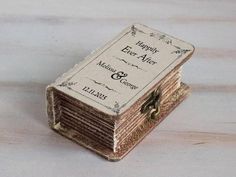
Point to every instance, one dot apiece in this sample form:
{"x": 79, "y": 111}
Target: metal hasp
{"x": 152, "y": 105}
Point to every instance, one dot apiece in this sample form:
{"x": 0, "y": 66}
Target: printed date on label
{"x": 94, "y": 93}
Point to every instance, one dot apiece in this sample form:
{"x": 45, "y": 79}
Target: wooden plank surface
{"x": 198, "y": 139}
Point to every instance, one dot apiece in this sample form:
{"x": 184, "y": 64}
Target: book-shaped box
{"x": 112, "y": 99}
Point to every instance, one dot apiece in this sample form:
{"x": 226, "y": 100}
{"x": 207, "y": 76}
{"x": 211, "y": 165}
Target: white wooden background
{"x": 40, "y": 39}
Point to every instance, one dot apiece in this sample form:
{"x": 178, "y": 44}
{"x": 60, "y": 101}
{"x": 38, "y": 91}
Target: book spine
{"x": 50, "y": 106}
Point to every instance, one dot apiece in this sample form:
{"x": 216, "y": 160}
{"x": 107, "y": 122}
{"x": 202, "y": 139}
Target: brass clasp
{"x": 152, "y": 104}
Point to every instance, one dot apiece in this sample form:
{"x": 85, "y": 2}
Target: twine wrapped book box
{"x": 112, "y": 99}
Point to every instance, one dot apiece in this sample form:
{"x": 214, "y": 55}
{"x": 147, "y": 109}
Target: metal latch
{"x": 152, "y": 104}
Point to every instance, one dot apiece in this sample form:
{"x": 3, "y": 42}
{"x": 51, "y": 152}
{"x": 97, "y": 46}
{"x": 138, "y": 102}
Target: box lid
{"x": 114, "y": 76}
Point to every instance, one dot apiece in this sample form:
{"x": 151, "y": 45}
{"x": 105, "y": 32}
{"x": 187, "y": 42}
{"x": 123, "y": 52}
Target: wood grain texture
{"x": 197, "y": 139}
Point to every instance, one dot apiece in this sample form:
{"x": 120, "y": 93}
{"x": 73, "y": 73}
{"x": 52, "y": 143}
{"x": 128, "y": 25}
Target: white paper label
{"x": 114, "y": 77}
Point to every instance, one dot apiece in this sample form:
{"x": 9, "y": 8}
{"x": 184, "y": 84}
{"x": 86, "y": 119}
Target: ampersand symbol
{"x": 118, "y": 75}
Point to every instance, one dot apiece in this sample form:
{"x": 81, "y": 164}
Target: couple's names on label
{"x": 143, "y": 57}
{"x": 117, "y": 75}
